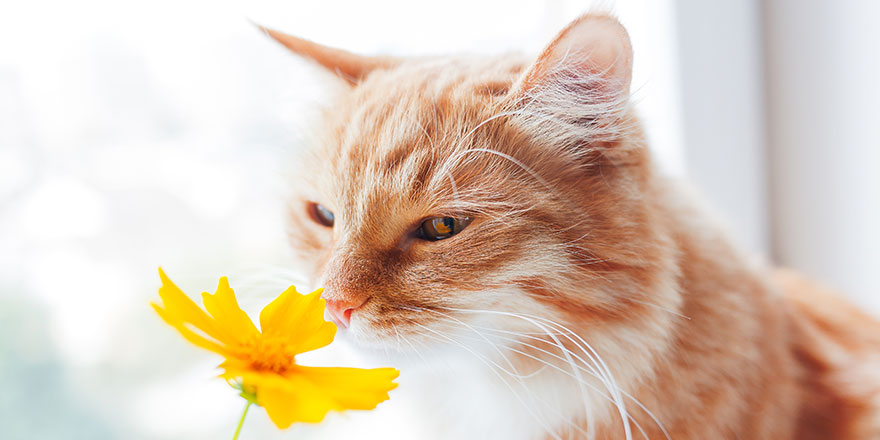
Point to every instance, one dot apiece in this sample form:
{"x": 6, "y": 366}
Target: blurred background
{"x": 139, "y": 134}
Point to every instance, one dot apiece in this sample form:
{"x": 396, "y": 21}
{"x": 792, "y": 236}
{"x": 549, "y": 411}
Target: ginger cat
{"x": 506, "y": 210}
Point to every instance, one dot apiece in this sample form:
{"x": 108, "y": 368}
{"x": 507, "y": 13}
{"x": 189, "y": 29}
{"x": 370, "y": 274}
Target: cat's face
{"x": 427, "y": 213}
{"x": 458, "y": 192}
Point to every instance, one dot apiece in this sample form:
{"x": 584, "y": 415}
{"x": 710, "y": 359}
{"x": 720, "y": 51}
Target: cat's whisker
{"x": 408, "y": 307}
{"x": 544, "y": 366}
{"x": 516, "y": 162}
{"x": 483, "y": 338}
{"x": 517, "y": 337}
{"x": 396, "y": 335}
{"x": 545, "y": 363}
{"x": 570, "y": 360}
{"x": 514, "y": 374}
{"x": 608, "y": 398}
{"x": 484, "y": 122}
{"x": 492, "y": 367}
{"x": 603, "y": 371}
{"x": 532, "y": 346}
{"x": 414, "y": 348}
{"x": 615, "y": 388}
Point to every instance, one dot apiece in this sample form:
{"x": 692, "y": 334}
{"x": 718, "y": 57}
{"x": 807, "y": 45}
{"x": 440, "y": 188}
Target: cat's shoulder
{"x": 838, "y": 347}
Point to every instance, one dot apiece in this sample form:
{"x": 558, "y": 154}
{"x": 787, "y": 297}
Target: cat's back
{"x": 838, "y": 348}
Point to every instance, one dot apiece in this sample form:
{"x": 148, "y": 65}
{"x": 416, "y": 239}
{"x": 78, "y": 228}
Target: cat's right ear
{"x": 346, "y": 65}
{"x": 595, "y": 48}
{"x": 576, "y": 93}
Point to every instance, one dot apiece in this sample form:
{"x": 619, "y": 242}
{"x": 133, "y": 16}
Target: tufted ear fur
{"x": 346, "y": 65}
{"x": 592, "y": 45}
{"x": 576, "y": 92}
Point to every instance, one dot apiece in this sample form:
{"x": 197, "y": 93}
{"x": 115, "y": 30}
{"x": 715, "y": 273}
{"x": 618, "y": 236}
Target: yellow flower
{"x": 263, "y": 361}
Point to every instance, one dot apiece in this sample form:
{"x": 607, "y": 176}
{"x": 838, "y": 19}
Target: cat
{"x": 502, "y": 218}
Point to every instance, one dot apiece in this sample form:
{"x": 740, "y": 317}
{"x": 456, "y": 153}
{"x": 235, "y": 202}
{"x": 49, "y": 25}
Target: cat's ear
{"x": 594, "y": 47}
{"x": 346, "y": 65}
{"x": 577, "y": 91}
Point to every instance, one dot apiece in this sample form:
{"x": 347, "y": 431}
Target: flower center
{"x": 269, "y": 354}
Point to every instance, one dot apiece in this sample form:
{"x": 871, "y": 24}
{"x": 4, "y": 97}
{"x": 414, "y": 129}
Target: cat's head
{"x": 455, "y": 192}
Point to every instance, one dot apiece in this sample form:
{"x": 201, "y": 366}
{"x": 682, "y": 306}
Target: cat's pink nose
{"x": 340, "y": 310}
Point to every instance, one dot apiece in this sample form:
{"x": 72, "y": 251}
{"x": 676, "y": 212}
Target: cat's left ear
{"x": 594, "y": 47}
{"x": 346, "y": 65}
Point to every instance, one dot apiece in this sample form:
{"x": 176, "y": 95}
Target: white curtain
{"x": 823, "y": 94}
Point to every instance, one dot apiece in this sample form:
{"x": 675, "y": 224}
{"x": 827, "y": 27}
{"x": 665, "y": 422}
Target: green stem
{"x": 241, "y": 421}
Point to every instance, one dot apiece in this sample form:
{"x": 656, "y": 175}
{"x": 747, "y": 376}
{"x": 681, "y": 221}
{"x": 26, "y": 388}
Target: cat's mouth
{"x": 378, "y": 325}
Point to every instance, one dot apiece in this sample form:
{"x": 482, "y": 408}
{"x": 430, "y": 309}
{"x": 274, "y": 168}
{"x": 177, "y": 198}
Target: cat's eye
{"x": 321, "y": 215}
{"x": 438, "y": 228}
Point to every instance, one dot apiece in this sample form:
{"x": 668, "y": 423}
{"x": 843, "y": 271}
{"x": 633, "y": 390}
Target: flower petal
{"x": 286, "y": 399}
{"x": 299, "y": 318}
{"x": 351, "y": 388}
{"x": 180, "y": 308}
{"x": 188, "y": 334}
{"x": 307, "y": 394}
{"x": 223, "y": 306}
{"x": 294, "y": 401}
{"x": 320, "y": 337}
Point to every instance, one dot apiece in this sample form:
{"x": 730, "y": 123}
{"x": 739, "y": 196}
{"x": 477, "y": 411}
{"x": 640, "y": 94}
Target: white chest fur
{"x": 465, "y": 394}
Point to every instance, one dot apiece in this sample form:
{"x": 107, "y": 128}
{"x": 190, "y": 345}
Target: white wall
{"x": 134, "y": 135}
{"x": 130, "y": 131}
{"x": 823, "y": 68}
{"x": 403, "y": 27}
{"x": 719, "y": 45}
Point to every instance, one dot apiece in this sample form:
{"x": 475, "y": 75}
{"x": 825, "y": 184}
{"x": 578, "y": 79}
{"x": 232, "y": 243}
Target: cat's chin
{"x": 363, "y": 337}
{"x": 374, "y": 348}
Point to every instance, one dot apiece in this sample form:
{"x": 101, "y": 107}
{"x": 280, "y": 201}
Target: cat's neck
{"x": 727, "y": 370}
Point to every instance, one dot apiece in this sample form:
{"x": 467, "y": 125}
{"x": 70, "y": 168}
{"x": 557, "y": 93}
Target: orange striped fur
{"x": 578, "y": 251}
